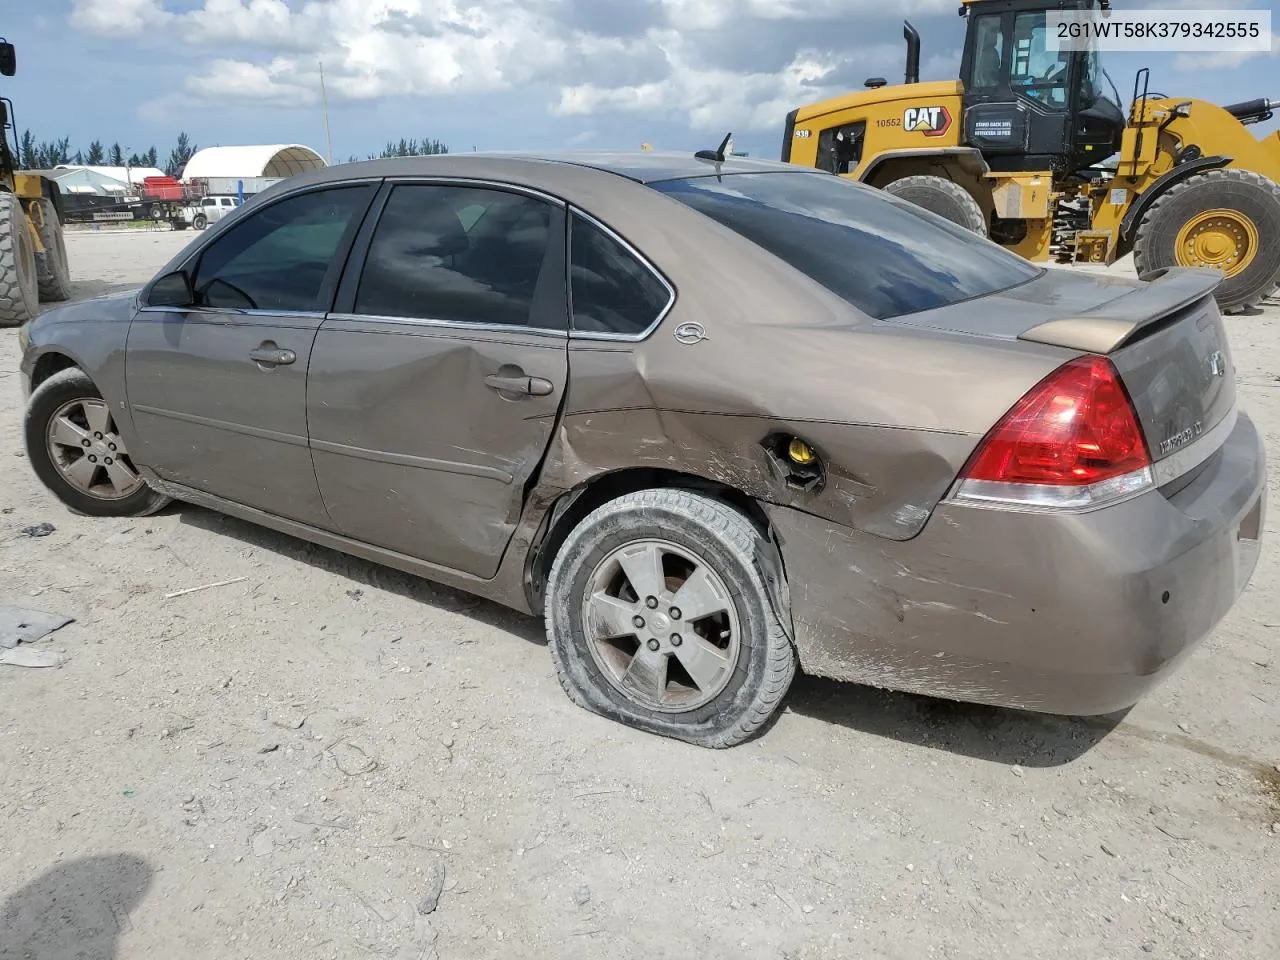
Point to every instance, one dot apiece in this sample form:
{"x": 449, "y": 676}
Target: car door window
{"x": 277, "y": 258}
{"x": 611, "y": 290}
{"x": 459, "y": 254}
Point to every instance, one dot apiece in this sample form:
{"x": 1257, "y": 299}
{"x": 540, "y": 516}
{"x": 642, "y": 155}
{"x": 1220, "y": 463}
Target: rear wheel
{"x": 19, "y": 284}
{"x": 1225, "y": 219}
{"x": 658, "y": 616}
{"x": 941, "y": 196}
{"x": 77, "y": 451}
{"x": 52, "y": 270}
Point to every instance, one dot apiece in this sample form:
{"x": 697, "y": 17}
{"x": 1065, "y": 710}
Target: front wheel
{"x": 658, "y": 616}
{"x": 52, "y": 270}
{"x": 200, "y": 221}
{"x": 77, "y": 451}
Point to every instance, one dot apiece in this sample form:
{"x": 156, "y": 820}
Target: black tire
{"x": 730, "y": 546}
{"x": 941, "y": 196}
{"x": 1255, "y": 196}
{"x": 19, "y": 285}
{"x": 65, "y": 387}
{"x": 52, "y": 270}
{"x": 157, "y": 212}
{"x": 200, "y": 221}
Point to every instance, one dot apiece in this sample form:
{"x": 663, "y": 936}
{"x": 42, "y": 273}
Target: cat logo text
{"x": 931, "y": 121}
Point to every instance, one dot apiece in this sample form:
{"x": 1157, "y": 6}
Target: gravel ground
{"x": 330, "y": 759}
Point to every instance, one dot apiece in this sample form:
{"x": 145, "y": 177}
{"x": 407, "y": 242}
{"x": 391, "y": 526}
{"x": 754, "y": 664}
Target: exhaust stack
{"x": 912, "y": 36}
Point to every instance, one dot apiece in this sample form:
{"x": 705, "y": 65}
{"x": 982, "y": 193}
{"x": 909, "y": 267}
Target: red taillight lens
{"x": 1076, "y": 428}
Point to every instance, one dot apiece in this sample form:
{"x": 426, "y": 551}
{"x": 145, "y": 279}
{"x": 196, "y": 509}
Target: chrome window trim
{"x": 479, "y": 182}
{"x": 574, "y": 211}
{"x": 448, "y": 324}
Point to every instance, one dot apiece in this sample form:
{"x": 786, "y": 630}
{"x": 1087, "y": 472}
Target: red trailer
{"x": 164, "y": 198}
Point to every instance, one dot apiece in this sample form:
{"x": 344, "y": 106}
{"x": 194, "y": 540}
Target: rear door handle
{"x": 271, "y": 355}
{"x": 529, "y": 386}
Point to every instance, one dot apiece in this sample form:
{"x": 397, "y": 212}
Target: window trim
{"x": 343, "y": 307}
{"x": 576, "y": 211}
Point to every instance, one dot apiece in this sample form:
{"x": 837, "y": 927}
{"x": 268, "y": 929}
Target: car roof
{"x": 639, "y": 166}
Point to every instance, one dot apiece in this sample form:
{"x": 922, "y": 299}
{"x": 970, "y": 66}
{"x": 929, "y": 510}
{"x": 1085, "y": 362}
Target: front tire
{"x": 77, "y": 452}
{"x": 658, "y": 616}
{"x": 200, "y": 221}
{"x": 941, "y": 196}
{"x": 1224, "y": 219}
{"x": 52, "y": 269}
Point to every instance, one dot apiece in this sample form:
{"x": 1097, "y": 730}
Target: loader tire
{"x": 19, "y": 287}
{"x": 1225, "y": 219}
{"x": 53, "y": 273}
{"x": 941, "y": 196}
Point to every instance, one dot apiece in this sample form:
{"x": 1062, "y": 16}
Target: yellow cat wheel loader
{"x": 1013, "y": 150}
{"x": 33, "y": 256}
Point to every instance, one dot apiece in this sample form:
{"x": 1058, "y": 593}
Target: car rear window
{"x": 885, "y": 256}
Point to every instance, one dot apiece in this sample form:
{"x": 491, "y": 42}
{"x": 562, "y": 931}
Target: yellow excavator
{"x": 33, "y": 255}
{"x": 1014, "y": 150}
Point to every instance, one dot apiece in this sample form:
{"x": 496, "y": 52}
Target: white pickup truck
{"x": 209, "y": 210}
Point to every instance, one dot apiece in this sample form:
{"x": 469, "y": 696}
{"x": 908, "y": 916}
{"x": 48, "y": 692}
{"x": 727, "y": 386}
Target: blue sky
{"x": 495, "y": 74}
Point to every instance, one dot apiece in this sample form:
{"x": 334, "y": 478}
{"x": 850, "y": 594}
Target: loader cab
{"x": 1029, "y": 105}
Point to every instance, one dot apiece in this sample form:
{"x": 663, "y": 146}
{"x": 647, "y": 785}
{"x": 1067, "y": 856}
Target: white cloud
{"x": 1224, "y": 59}
{"x": 678, "y": 59}
{"x": 118, "y": 18}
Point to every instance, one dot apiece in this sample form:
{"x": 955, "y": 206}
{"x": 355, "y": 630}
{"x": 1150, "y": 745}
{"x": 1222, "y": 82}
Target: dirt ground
{"x": 295, "y": 765}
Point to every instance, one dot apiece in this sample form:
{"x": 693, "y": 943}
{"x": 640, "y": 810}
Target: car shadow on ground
{"x": 76, "y": 909}
{"x": 1011, "y": 737}
{"x": 987, "y": 733}
{"x": 366, "y": 573}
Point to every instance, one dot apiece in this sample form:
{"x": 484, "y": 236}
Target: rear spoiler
{"x": 1109, "y": 326}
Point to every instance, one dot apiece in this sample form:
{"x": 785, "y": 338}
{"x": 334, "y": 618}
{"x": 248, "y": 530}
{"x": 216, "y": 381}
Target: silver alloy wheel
{"x": 661, "y": 626}
{"x": 88, "y": 452}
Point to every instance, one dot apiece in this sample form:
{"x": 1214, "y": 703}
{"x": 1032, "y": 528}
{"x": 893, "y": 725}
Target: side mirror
{"x": 172, "y": 290}
{"x": 8, "y": 59}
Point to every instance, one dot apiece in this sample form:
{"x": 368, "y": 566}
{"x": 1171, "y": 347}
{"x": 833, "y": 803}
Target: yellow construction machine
{"x": 33, "y": 256}
{"x": 1014, "y": 150}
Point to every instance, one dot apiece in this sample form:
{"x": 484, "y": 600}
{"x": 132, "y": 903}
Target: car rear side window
{"x": 612, "y": 291}
{"x": 278, "y": 257}
{"x": 460, "y": 254}
{"x": 885, "y": 256}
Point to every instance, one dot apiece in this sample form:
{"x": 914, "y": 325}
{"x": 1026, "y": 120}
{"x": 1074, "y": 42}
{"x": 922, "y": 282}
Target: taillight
{"x": 1072, "y": 442}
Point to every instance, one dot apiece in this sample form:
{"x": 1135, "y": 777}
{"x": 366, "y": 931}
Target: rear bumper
{"x": 1072, "y": 614}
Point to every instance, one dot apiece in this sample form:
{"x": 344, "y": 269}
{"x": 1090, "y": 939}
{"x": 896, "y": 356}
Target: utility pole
{"x": 324, "y": 96}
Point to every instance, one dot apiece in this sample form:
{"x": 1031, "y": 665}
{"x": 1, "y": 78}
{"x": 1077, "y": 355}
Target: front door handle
{"x": 529, "y": 386}
{"x": 268, "y": 354}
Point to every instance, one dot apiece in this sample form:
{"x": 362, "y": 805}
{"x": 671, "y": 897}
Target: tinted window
{"x": 885, "y": 256}
{"x": 612, "y": 291}
{"x": 464, "y": 254}
{"x": 277, "y": 258}
{"x": 1039, "y": 71}
{"x": 988, "y": 52}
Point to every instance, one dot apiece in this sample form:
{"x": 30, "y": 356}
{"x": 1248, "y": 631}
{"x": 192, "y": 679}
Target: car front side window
{"x": 460, "y": 254}
{"x": 278, "y": 258}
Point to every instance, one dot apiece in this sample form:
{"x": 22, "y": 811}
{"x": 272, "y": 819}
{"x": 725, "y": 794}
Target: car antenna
{"x": 717, "y": 154}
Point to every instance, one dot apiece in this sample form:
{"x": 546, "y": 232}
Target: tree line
{"x": 47, "y": 154}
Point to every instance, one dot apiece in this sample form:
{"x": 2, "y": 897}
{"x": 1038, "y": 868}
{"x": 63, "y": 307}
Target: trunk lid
{"x": 1165, "y": 337}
